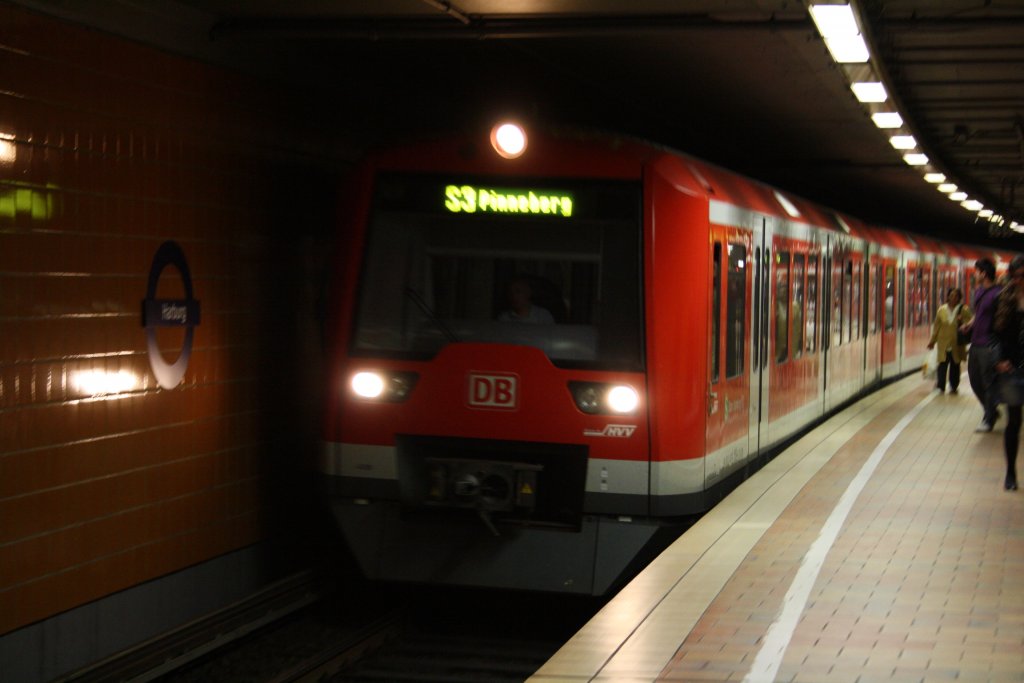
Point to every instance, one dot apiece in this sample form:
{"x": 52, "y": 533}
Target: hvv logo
{"x": 614, "y": 431}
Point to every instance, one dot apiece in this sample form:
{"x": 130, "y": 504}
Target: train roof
{"x": 563, "y": 151}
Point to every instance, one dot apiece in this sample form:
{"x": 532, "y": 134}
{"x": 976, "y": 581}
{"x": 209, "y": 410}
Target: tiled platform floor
{"x": 923, "y": 580}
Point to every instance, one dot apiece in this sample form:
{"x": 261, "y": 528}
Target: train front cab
{"x": 711, "y": 241}
{"x": 493, "y": 453}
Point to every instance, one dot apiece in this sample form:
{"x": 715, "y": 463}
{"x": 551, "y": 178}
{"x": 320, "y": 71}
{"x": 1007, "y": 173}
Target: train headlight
{"x": 368, "y": 384}
{"x": 508, "y": 140}
{"x": 384, "y": 385}
{"x": 623, "y": 399}
{"x": 598, "y": 398}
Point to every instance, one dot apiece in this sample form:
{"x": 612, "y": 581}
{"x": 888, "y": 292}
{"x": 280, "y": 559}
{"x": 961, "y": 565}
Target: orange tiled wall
{"x": 107, "y": 149}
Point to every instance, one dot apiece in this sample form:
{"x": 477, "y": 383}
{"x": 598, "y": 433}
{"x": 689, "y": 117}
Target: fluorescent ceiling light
{"x": 903, "y": 141}
{"x": 887, "y": 119}
{"x": 985, "y": 213}
{"x": 915, "y": 159}
{"x": 838, "y": 27}
{"x": 947, "y": 188}
{"x": 869, "y": 92}
{"x": 935, "y": 177}
{"x": 848, "y": 49}
{"x": 972, "y": 205}
{"x": 958, "y": 196}
{"x": 834, "y": 20}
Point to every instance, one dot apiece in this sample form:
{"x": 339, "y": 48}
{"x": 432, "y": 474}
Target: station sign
{"x": 158, "y": 313}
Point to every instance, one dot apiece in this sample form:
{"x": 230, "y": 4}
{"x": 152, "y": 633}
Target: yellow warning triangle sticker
{"x": 527, "y": 489}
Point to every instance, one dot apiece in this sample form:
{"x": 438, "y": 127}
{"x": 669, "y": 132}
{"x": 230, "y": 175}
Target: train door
{"x": 758, "y": 357}
{"x": 728, "y": 375}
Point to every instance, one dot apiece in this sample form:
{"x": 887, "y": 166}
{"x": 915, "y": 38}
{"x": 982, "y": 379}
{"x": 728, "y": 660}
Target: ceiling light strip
{"x": 840, "y": 28}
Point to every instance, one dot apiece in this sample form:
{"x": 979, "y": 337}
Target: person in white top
{"x": 521, "y": 308}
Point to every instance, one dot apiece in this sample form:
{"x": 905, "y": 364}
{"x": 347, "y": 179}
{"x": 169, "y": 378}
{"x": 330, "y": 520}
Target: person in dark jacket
{"x": 981, "y": 359}
{"x": 1009, "y": 328}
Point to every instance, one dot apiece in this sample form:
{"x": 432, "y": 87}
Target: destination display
{"x": 554, "y": 200}
{"x": 470, "y": 199}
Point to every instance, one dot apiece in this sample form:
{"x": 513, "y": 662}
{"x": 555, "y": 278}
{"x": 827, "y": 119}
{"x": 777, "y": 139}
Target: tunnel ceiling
{"x": 745, "y": 83}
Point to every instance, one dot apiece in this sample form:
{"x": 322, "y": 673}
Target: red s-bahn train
{"x": 543, "y": 358}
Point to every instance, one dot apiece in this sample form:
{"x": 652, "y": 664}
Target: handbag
{"x": 931, "y": 363}
{"x": 1011, "y": 387}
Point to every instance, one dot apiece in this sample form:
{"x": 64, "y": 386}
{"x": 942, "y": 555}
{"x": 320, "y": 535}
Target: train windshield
{"x": 554, "y": 265}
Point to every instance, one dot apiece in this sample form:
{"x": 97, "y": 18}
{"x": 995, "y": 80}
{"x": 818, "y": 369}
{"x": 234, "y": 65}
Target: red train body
{"x": 486, "y": 449}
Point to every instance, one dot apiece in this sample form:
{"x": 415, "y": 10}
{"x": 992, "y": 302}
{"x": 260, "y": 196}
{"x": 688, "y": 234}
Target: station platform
{"x": 881, "y": 546}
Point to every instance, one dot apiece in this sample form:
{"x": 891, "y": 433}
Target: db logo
{"x": 493, "y": 391}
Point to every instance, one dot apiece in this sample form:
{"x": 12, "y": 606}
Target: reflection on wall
{"x": 103, "y": 383}
{"x": 8, "y": 151}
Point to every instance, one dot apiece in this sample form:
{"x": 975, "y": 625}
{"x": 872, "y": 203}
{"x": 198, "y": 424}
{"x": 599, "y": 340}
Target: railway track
{"x": 407, "y": 635}
{"x": 451, "y": 636}
{"x": 430, "y": 658}
{"x": 162, "y": 656}
{"x": 304, "y": 629}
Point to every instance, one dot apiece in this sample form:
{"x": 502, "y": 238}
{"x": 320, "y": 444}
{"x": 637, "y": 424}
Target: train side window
{"x": 765, "y": 305}
{"x": 781, "y": 306}
{"x": 756, "y": 313}
{"x": 926, "y": 291}
{"x": 837, "y": 302}
{"x": 911, "y": 297}
{"x": 735, "y": 310}
{"x": 847, "y": 302}
{"x": 865, "y": 299}
{"x": 796, "y": 318}
{"x": 716, "y": 309}
{"x": 880, "y": 296}
{"x": 901, "y": 299}
{"x": 855, "y": 304}
{"x": 812, "y": 302}
{"x": 874, "y": 282}
{"x": 890, "y": 298}
{"x": 917, "y": 297}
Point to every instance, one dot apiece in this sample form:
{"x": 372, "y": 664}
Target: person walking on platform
{"x": 950, "y": 317}
{"x": 1009, "y": 327}
{"x": 981, "y": 359}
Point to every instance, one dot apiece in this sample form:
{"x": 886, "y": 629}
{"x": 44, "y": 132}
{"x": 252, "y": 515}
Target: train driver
{"x": 521, "y": 307}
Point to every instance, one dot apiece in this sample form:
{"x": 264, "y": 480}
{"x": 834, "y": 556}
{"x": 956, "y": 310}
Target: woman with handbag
{"x": 946, "y": 336}
{"x": 1009, "y": 328}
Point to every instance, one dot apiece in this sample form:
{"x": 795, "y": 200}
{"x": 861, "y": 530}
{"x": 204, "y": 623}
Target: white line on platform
{"x": 780, "y": 633}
